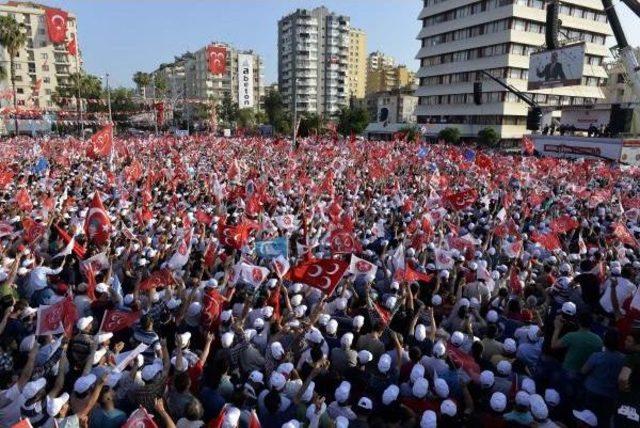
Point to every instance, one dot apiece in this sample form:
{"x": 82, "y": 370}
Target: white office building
{"x": 460, "y": 37}
{"x": 313, "y": 59}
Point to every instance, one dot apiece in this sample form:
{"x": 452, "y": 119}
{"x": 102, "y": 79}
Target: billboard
{"x": 245, "y": 81}
{"x": 583, "y": 118}
{"x": 630, "y": 152}
{"x": 556, "y": 67}
{"x": 577, "y": 147}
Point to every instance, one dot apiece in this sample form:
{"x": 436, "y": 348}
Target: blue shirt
{"x": 602, "y": 376}
{"x": 107, "y": 418}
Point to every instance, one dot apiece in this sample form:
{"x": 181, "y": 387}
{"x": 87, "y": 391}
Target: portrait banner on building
{"x": 245, "y": 81}
{"x": 556, "y": 67}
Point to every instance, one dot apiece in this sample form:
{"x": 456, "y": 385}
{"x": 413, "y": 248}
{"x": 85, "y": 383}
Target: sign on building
{"x": 245, "y": 81}
{"x": 556, "y": 67}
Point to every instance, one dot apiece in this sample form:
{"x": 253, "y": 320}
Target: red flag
{"x": 24, "y": 200}
{"x": 210, "y": 254}
{"x": 91, "y": 280}
{"x": 514, "y": 282}
{"x": 527, "y": 145}
{"x": 233, "y": 236}
{"x": 212, "y": 305}
{"x": 157, "y": 279}
{"x": 72, "y": 46}
{"x": 254, "y": 422}
{"x": 6, "y": 178}
{"x": 461, "y": 200}
{"x": 5, "y": 229}
{"x": 97, "y": 225}
{"x": 31, "y": 230}
{"x": 140, "y": 419}
{"x": 564, "y": 224}
{"x": 621, "y": 232}
{"x": 115, "y": 320}
{"x": 217, "y": 59}
{"x": 57, "y": 318}
{"x": 464, "y": 361}
{"x": 274, "y": 301}
{"x": 233, "y": 170}
{"x": 203, "y": 217}
{"x": 23, "y": 423}
{"x": 549, "y": 240}
{"x": 411, "y": 275}
{"x": 133, "y": 172}
{"x": 484, "y": 161}
{"x": 56, "y": 20}
{"x": 383, "y": 313}
{"x": 344, "y": 242}
{"x": 101, "y": 142}
{"x": 78, "y": 249}
{"x": 321, "y": 274}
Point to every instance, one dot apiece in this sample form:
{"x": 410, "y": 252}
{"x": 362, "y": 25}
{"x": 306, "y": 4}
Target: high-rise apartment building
{"x": 357, "y": 71}
{"x": 313, "y": 60}
{"x": 617, "y": 90}
{"x": 41, "y": 65}
{"x": 189, "y": 77}
{"x": 387, "y": 78}
{"x": 459, "y": 38}
{"x": 377, "y": 60}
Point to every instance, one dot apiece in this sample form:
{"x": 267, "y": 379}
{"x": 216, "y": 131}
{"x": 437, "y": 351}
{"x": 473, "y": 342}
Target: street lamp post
{"x": 109, "y": 99}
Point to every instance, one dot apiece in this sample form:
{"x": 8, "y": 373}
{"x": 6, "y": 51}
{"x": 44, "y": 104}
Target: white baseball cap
{"x": 449, "y": 408}
{"x": 429, "y": 419}
{"x": 498, "y": 402}
{"x": 83, "y": 383}
{"x": 587, "y": 417}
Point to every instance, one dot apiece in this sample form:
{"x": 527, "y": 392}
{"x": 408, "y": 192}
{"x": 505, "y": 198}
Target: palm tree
{"x": 12, "y": 38}
{"x": 142, "y": 80}
{"x": 3, "y": 73}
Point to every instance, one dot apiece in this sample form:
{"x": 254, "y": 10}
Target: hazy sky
{"x": 123, "y": 36}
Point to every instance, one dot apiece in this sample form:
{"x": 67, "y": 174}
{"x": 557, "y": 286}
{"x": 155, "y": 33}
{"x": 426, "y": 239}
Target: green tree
{"x": 277, "y": 114}
{"x": 122, "y": 104}
{"x": 246, "y": 118}
{"x": 352, "y": 120}
{"x": 412, "y": 133}
{"x": 142, "y": 80}
{"x": 488, "y": 137}
{"x": 12, "y": 38}
{"x": 161, "y": 85}
{"x": 82, "y": 85}
{"x": 227, "y": 110}
{"x": 261, "y": 117}
{"x": 3, "y": 73}
{"x": 450, "y": 135}
{"x": 310, "y": 124}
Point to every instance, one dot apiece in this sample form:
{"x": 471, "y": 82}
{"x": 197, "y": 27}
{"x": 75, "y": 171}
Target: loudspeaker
{"x": 384, "y": 114}
{"x": 477, "y": 93}
{"x": 620, "y": 120}
{"x": 534, "y": 117}
{"x": 551, "y": 28}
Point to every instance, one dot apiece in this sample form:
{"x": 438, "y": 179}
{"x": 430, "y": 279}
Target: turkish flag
{"x": 621, "y": 232}
{"x": 210, "y": 254}
{"x": 6, "y": 178}
{"x": 484, "y": 161}
{"x": 344, "y": 242}
{"x": 101, "y": 143}
{"x": 411, "y": 275}
{"x": 322, "y": 274}
{"x": 464, "y": 361}
{"x": 115, "y": 320}
{"x": 72, "y": 46}
{"x": 274, "y": 301}
{"x": 461, "y": 200}
{"x": 383, "y": 313}
{"x": 157, "y": 279}
{"x": 133, "y": 172}
{"x": 97, "y": 225}
{"x": 549, "y": 240}
{"x": 217, "y": 59}
{"x": 212, "y": 305}
{"x": 564, "y": 224}
{"x": 140, "y": 419}
{"x": 56, "y": 25}
{"x": 31, "y": 230}
{"x": 24, "y": 200}
{"x": 233, "y": 236}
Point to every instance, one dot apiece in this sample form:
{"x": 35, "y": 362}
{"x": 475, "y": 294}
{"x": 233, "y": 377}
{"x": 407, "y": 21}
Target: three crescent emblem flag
{"x": 362, "y": 266}
{"x": 324, "y": 274}
{"x": 256, "y": 274}
{"x": 217, "y": 58}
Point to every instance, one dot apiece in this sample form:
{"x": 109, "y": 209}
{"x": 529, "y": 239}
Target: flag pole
{"x": 78, "y": 89}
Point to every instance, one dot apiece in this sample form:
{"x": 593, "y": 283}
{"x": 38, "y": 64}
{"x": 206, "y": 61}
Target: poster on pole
{"x": 556, "y": 67}
{"x": 245, "y": 81}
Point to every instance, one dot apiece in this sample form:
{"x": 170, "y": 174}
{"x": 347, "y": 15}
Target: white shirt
{"x": 11, "y": 401}
{"x": 38, "y": 278}
{"x": 624, "y": 290}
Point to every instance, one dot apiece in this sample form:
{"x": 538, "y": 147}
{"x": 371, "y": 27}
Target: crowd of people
{"x": 240, "y": 282}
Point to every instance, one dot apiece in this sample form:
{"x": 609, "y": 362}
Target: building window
{"x": 45, "y": 67}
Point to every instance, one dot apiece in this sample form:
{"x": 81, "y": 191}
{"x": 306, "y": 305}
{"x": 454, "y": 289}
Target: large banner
{"x": 557, "y": 67}
{"x": 56, "y": 25}
{"x": 245, "y": 81}
{"x": 578, "y": 147}
{"x": 584, "y": 118}
{"x": 217, "y": 56}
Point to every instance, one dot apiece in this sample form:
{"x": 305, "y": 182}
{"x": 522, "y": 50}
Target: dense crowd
{"x": 239, "y": 282}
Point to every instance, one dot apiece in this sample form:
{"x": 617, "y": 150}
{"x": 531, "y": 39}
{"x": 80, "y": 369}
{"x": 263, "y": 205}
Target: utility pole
{"x": 295, "y": 114}
{"x": 155, "y": 111}
{"x": 109, "y": 99}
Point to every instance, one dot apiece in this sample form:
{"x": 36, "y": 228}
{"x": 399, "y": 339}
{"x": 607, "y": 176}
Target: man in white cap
{"x": 520, "y": 413}
{"x": 12, "y": 397}
{"x": 154, "y": 376}
{"x": 344, "y": 357}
